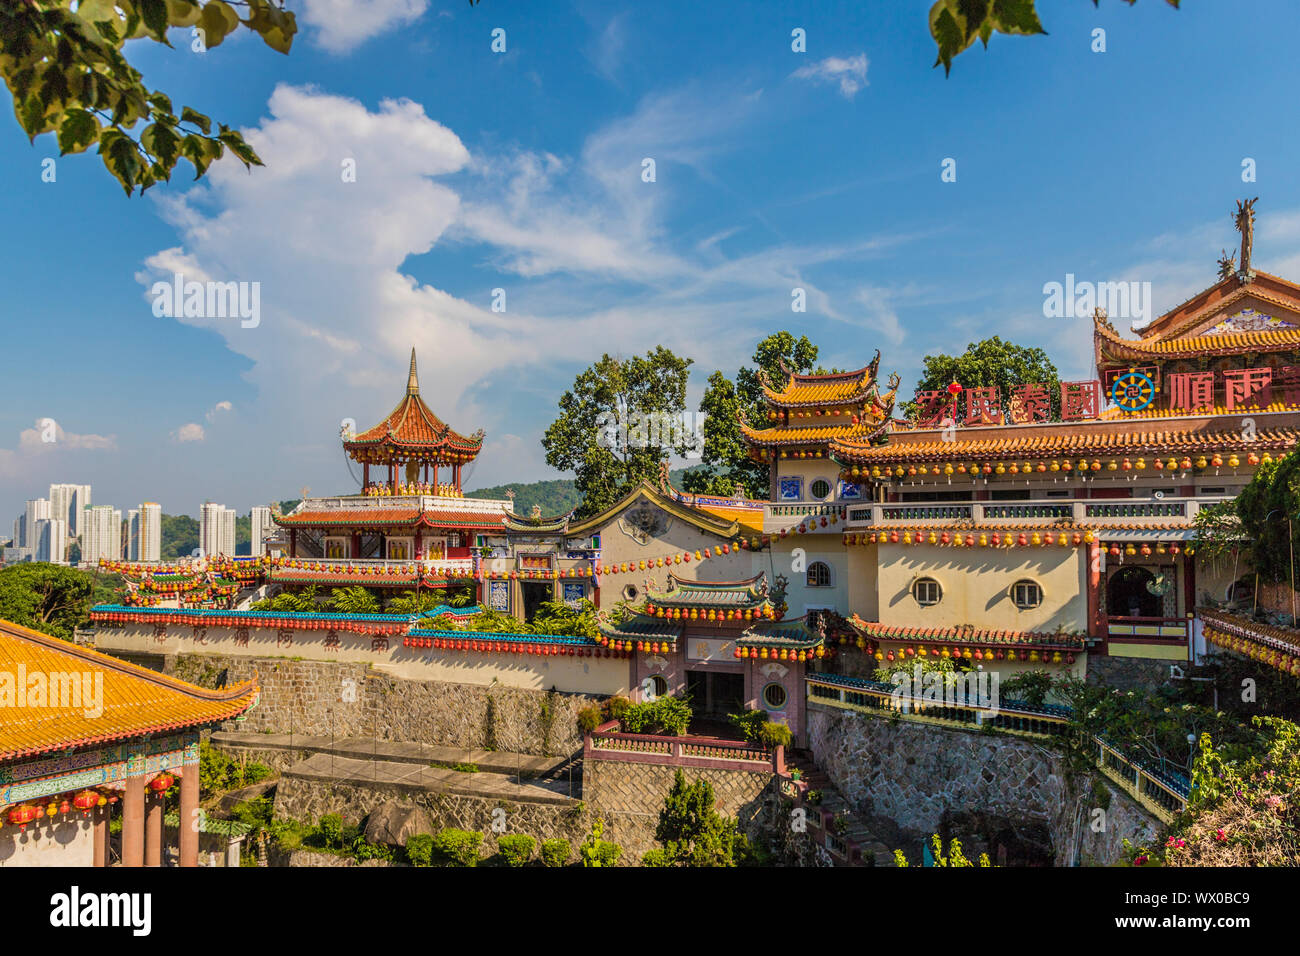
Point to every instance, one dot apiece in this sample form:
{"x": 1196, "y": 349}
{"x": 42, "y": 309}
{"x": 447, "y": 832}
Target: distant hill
{"x": 555, "y": 497}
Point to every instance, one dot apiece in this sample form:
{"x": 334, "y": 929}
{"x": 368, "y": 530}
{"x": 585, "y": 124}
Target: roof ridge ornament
{"x": 413, "y": 380}
{"x": 1227, "y": 264}
{"x": 1244, "y": 221}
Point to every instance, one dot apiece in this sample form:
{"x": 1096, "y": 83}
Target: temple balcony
{"x": 419, "y": 502}
{"x": 1153, "y": 512}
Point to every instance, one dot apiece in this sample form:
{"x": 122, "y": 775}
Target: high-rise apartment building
{"x": 261, "y": 529}
{"x": 145, "y": 532}
{"x": 51, "y": 540}
{"x": 38, "y": 509}
{"x": 216, "y": 529}
{"x": 101, "y": 534}
{"x": 69, "y": 502}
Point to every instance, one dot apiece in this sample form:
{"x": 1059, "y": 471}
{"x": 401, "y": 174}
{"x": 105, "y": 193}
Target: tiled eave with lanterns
{"x": 970, "y": 535}
{"x": 967, "y": 642}
{"x": 1278, "y": 647}
{"x": 1174, "y": 446}
{"x": 483, "y": 642}
{"x": 457, "y": 519}
{"x": 692, "y": 600}
{"x": 793, "y": 635}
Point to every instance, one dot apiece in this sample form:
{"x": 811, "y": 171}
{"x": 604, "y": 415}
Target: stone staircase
{"x": 851, "y": 843}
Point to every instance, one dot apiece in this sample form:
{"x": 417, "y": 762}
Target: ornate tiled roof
{"x": 1182, "y": 436}
{"x": 793, "y": 634}
{"x": 640, "y": 627}
{"x": 698, "y": 517}
{"x": 966, "y": 634}
{"x": 136, "y": 701}
{"x": 710, "y": 595}
{"x": 813, "y": 434}
{"x": 412, "y": 432}
{"x": 536, "y": 524}
{"x": 1277, "y": 646}
{"x": 393, "y": 517}
{"x": 828, "y": 388}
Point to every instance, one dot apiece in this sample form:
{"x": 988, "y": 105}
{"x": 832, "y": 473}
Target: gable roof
{"x": 136, "y": 701}
{"x": 644, "y": 491}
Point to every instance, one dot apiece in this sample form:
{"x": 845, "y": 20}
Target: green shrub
{"x": 331, "y": 829}
{"x": 556, "y": 852}
{"x": 774, "y": 735}
{"x": 517, "y": 848}
{"x": 597, "y": 852}
{"x": 457, "y": 847}
{"x": 664, "y": 715}
{"x": 618, "y": 707}
{"x": 419, "y": 849}
{"x": 749, "y": 722}
{"x": 590, "y": 717}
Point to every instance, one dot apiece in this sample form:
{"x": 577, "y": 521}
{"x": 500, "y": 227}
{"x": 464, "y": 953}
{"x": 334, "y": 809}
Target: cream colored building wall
{"x": 976, "y": 586}
{"x": 794, "y": 555}
{"x": 65, "y": 843}
{"x": 863, "y": 596}
{"x": 809, "y": 469}
{"x": 585, "y": 675}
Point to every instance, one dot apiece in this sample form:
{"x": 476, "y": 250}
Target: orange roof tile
{"x": 413, "y": 430}
{"x": 136, "y": 700}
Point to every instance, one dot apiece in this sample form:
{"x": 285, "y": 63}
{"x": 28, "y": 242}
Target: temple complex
{"x": 1052, "y": 527}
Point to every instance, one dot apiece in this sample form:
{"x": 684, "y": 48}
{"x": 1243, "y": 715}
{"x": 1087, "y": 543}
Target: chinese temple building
{"x": 726, "y": 644}
{"x": 86, "y": 735}
{"x": 806, "y": 414}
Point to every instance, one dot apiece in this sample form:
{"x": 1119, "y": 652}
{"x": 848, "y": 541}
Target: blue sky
{"x": 522, "y": 171}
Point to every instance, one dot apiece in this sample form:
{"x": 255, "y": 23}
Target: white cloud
{"x": 341, "y": 25}
{"x": 191, "y": 432}
{"x": 47, "y": 438}
{"x": 849, "y": 72}
{"x": 217, "y": 409}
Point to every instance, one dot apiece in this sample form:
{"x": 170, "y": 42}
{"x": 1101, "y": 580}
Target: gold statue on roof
{"x": 1244, "y": 221}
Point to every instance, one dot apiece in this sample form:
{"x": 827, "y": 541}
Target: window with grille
{"x": 819, "y": 575}
{"x": 1026, "y": 594}
{"x": 927, "y": 591}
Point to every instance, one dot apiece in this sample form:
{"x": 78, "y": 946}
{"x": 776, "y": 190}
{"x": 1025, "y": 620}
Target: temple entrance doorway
{"x": 1127, "y": 594}
{"x": 715, "y": 694}
{"x": 534, "y": 593}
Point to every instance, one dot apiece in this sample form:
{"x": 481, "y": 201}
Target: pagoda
{"x": 408, "y": 529}
{"x": 409, "y": 439}
{"x": 808, "y": 412}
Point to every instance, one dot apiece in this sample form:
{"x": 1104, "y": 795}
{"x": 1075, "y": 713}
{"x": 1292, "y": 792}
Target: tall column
{"x": 365, "y": 475}
{"x": 1096, "y": 623}
{"x": 293, "y": 542}
{"x": 153, "y": 828}
{"x": 133, "y": 822}
{"x": 99, "y": 835}
{"x": 189, "y": 821}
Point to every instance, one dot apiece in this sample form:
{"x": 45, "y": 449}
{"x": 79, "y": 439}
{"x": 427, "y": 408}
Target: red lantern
{"x": 23, "y": 815}
{"x": 161, "y": 782}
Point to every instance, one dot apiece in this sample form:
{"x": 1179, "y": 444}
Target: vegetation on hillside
{"x": 51, "y": 598}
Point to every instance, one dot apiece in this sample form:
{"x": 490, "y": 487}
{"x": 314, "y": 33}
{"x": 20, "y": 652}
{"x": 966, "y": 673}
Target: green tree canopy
{"x": 990, "y": 362}
{"x": 692, "y": 832}
{"x": 597, "y": 434}
{"x": 1262, "y": 523}
{"x": 64, "y": 64}
{"x": 725, "y": 452}
{"x": 48, "y": 597}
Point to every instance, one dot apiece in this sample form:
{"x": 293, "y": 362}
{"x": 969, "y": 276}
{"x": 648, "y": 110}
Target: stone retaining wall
{"x": 629, "y": 796}
{"x": 911, "y": 780}
{"x": 309, "y": 800}
{"x": 343, "y": 699}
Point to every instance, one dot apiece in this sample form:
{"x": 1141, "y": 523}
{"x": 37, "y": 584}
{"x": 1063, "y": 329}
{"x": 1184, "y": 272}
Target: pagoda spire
{"x": 413, "y": 380}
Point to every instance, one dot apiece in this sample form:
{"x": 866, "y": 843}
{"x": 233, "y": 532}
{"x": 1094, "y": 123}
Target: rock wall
{"x": 309, "y": 800}
{"x": 1127, "y": 673}
{"x": 1009, "y": 796}
{"x": 629, "y": 796}
{"x": 350, "y": 700}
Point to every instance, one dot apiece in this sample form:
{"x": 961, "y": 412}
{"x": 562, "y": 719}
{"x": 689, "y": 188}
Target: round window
{"x": 654, "y": 686}
{"x": 926, "y": 591}
{"x": 820, "y": 488}
{"x": 774, "y": 696}
{"x": 1027, "y": 594}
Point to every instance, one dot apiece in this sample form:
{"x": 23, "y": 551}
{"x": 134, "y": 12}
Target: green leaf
{"x": 195, "y": 118}
{"x": 120, "y": 157}
{"x": 156, "y": 18}
{"x": 162, "y": 143}
{"x": 78, "y": 131}
{"x": 1016, "y": 17}
{"x": 217, "y": 22}
{"x": 235, "y": 142}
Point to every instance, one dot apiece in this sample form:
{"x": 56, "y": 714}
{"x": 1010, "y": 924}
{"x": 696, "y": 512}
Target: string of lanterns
{"x": 1282, "y": 656}
{"x": 943, "y": 652}
{"x": 976, "y": 469}
{"x": 765, "y": 611}
{"x": 970, "y": 540}
{"x": 1115, "y": 549}
{"x": 22, "y": 814}
{"x": 488, "y": 644}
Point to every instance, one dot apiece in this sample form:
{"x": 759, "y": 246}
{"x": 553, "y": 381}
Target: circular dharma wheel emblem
{"x": 1132, "y": 391}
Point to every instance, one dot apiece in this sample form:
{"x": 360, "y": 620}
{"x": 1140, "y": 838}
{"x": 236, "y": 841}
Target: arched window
{"x": 819, "y": 575}
{"x": 927, "y": 592}
{"x": 1027, "y": 594}
{"x": 1128, "y": 594}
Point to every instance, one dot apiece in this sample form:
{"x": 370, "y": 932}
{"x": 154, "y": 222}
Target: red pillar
{"x": 293, "y": 542}
{"x": 99, "y": 835}
{"x": 1096, "y": 621}
{"x": 356, "y": 544}
{"x": 419, "y": 544}
{"x": 153, "y": 829}
{"x": 189, "y": 821}
{"x": 133, "y": 822}
{"x": 365, "y": 475}
{"x": 435, "y": 475}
